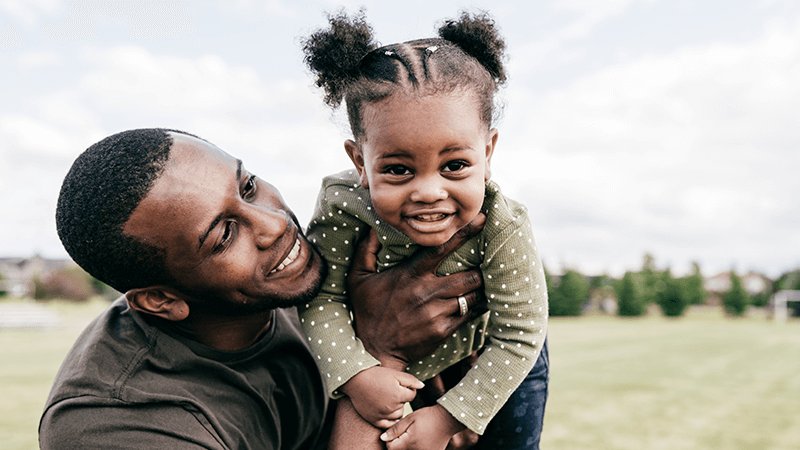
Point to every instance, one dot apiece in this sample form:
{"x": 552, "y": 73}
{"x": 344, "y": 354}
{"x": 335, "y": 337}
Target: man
{"x": 204, "y": 350}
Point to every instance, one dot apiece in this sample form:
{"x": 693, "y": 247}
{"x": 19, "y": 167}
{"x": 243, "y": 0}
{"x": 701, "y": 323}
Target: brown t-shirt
{"x": 128, "y": 384}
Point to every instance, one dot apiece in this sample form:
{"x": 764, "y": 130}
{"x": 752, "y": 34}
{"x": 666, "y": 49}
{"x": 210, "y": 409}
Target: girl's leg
{"x": 518, "y": 424}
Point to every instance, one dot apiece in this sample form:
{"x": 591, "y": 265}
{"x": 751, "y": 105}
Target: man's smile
{"x": 290, "y": 258}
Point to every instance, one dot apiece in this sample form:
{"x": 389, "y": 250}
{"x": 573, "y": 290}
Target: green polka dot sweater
{"x": 511, "y": 333}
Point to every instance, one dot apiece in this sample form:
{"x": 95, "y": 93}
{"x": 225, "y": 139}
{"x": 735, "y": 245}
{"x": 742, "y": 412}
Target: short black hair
{"x": 350, "y": 66}
{"x": 100, "y": 192}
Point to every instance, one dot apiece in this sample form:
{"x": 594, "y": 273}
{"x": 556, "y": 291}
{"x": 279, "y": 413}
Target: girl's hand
{"x": 379, "y": 394}
{"x": 425, "y": 429}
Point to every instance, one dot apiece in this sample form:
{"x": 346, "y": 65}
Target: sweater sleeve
{"x": 517, "y": 299}
{"x": 87, "y": 422}
{"x": 326, "y": 319}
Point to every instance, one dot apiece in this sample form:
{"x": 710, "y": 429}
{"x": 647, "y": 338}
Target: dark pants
{"x": 518, "y": 424}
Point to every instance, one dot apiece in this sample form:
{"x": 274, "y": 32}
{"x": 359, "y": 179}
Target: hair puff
{"x": 334, "y": 54}
{"x": 477, "y": 36}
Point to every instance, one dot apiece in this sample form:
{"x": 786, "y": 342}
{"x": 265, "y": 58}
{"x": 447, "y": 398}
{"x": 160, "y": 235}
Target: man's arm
{"x": 83, "y": 423}
{"x": 350, "y": 431}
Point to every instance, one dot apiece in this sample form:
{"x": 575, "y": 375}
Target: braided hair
{"x": 350, "y": 67}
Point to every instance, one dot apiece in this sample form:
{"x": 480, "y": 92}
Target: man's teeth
{"x": 430, "y": 217}
{"x": 289, "y": 258}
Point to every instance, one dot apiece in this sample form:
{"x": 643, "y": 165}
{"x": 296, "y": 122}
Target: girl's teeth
{"x": 430, "y": 217}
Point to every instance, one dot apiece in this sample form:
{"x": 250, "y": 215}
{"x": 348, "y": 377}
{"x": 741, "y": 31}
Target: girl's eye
{"x": 228, "y": 234}
{"x": 249, "y": 189}
{"x": 454, "y": 166}
{"x": 397, "y": 170}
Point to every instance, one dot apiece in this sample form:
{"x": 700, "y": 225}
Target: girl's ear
{"x": 491, "y": 141}
{"x": 159, "y": 301}
{"x": 357, "y": 156}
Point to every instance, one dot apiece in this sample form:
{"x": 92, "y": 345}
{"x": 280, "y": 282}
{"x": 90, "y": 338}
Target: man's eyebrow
{"x": 217, "y": 219}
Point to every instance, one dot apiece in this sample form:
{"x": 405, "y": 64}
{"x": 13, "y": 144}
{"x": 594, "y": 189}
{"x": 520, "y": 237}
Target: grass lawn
{"x": 700, "y": 382}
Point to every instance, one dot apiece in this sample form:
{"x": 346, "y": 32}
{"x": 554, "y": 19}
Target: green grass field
{"x": 700, "y": 382}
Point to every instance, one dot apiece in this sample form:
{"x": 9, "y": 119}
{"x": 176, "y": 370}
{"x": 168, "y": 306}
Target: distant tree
{"x": 650, "y": 278}
{"x": 569, "y": 295}
{"x": 629, "y": 296}
{"x": 788, "y": 280}
{"x": 693, "y": 284}
{"x": 735, "y": 301}
{"x": 672, "y": 296}
{"x": 3, "y": 292}
{"x": 761, "y": 299}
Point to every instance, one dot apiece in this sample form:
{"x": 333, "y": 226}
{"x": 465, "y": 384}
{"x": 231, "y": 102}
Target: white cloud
{"x": 556, "y": 47}
{"x": 38, "y": 60}
{"x": 130, "y": 77}
{"x": 281, "y": 129}
{"x": 29, "y": 11}
{"x": 691, "y": 154}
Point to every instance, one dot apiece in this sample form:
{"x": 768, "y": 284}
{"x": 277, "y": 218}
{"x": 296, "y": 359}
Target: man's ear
{"x": 159, "y": 301}
{"x": 357, "y": 156}
{"x": 491, "y": 141}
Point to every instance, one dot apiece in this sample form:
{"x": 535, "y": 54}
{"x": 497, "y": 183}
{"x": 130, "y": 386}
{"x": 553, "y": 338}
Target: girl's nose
{"x": 428, "y": 190}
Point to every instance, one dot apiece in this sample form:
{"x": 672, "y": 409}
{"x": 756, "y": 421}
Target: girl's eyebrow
{"x": 455, "y": 148}
{"x": 395, "y": 154}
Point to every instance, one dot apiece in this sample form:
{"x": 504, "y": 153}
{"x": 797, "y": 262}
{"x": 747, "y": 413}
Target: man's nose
{"x": 268, "y": 225}
{"x": 428, "y": 190}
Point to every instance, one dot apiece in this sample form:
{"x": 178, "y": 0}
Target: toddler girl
{"x": 421, "y": 115}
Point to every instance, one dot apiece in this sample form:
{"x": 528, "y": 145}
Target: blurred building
{"x": 17, "y": 275}
{"x": 752, "y": 282}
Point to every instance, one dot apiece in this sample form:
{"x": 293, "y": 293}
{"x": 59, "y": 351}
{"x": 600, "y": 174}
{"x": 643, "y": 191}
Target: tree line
{"x": 571, "y": 293}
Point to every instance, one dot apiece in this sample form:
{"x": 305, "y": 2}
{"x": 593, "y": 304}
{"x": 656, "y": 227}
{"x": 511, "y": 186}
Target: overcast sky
{"x": 662, "y": 126}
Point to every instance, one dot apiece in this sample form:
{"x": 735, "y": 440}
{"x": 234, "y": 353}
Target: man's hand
{"x": 403, "y": 313}
{"x": 425, "y": 429}
{"x": 379, "y": 394}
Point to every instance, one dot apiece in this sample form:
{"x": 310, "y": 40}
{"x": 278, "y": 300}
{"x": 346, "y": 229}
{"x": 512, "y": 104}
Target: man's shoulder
{"x": 106, "y": 348}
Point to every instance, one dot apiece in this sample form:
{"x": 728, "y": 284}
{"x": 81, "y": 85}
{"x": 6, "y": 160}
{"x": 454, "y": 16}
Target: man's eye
{"x": 249, "y": 189}
{"x": 228, "y": 233}
{"x": 454, "y": 166}
{"x": 397, "y": 170}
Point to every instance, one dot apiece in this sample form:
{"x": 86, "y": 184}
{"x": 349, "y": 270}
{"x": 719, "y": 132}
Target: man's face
{"x": 231, "y": 243}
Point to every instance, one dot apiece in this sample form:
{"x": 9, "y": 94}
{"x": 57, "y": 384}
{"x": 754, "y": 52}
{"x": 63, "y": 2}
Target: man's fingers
{"x": 366, "y": 256}
{"x": 428, "y": 259}
{"x": 477, "y": 304}
{"x": 396, "y": 430}
{"x": 460, "y": 283}
{"x": 472, "y": 303}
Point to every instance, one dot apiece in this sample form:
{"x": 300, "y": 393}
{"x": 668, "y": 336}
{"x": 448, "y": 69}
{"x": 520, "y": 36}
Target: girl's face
{"x": 425, "y": 160}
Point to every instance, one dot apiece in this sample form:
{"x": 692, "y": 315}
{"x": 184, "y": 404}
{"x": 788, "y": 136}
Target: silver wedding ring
{"x": 463, "y": 308}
